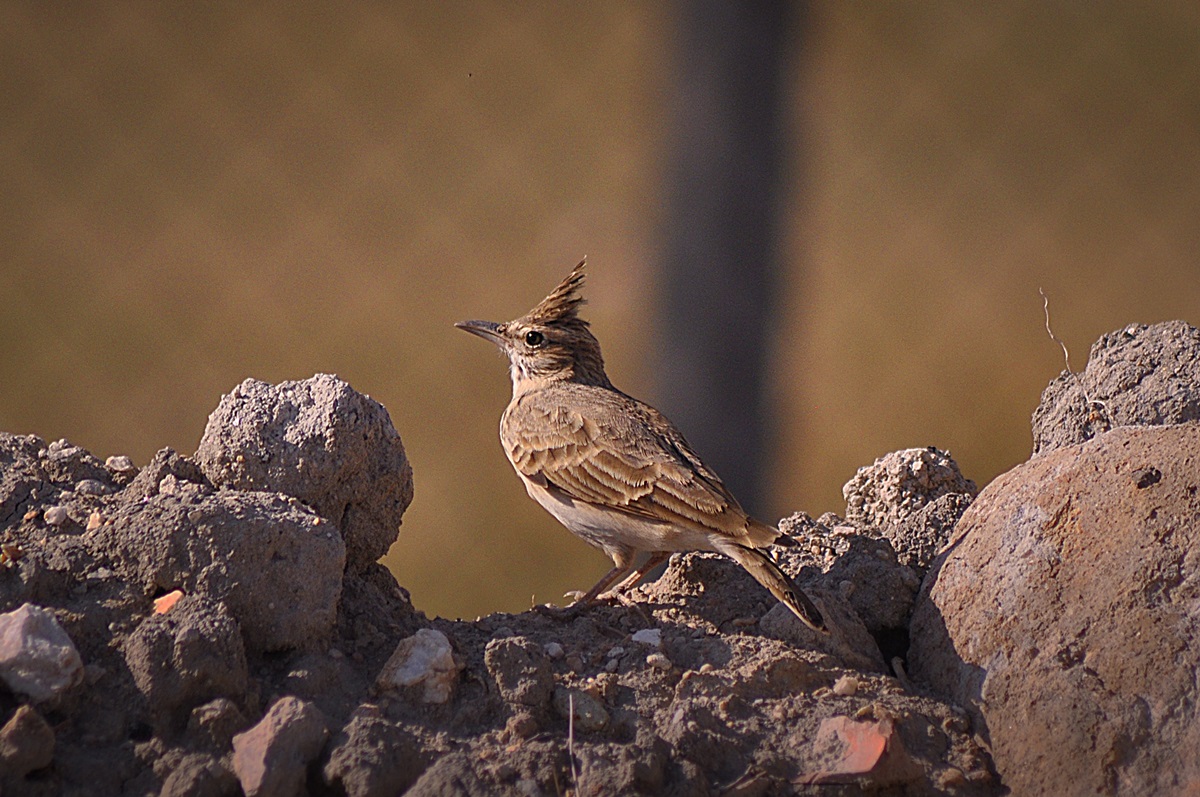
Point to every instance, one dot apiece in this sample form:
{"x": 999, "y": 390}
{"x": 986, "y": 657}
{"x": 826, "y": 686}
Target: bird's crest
{"x": 563, "y": 303}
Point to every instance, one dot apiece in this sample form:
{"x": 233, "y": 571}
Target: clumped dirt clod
{"x": 234, "y": 635}
{"x": 322, "y": 442}
{"x": 1142, "y": 375}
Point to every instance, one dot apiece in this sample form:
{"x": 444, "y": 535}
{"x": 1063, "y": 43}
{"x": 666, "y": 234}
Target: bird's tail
{"x": 759, "y": 564}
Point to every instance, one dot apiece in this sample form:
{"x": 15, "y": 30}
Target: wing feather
{"x": 602, "y": 447}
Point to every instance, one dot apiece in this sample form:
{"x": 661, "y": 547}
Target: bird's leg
{"x": 656, "y": 559}
{"x": 622, "y": 564}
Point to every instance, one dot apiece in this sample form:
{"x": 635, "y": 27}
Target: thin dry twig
{"x": 1050, "y": 332}
{"x": 571, "y": 742}
{"x": 1067, "y": 357}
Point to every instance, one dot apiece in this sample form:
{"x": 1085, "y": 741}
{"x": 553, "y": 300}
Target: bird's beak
{"x": 488, "y": 330}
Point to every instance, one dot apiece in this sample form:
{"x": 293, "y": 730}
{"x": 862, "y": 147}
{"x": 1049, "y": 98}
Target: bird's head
{"x": 550, "y": 342}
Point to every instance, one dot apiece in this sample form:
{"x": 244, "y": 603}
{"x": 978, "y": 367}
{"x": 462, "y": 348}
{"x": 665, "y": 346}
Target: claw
{"x": 562, "y": 613}
{"x": 620, "y": 598}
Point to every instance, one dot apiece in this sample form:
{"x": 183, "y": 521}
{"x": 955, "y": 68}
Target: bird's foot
{"x": 568, "y": 612}
{"x": 619, "y": 597}
{"x": 561, "y": 613}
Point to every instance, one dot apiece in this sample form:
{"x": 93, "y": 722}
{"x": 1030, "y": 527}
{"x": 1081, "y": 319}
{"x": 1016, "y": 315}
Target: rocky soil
{"x": 216, "y": 623}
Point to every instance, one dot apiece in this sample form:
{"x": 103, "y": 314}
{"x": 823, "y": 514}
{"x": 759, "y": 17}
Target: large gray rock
{"x": 37, "y": 658}
{"x": 1063, "y": 615}
{"x": 322, "y": 442}
{"x": 1140, "y": 375}
{"x": 274, "y": 563}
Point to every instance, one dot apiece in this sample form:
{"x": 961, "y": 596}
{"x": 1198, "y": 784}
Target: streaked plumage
{"x": 610, "y": 468}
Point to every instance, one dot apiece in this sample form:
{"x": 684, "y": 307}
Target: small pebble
{"x": 950, "y": 778}
{"x": 554, "y": 650}
{"x": 56, "y": 515}
{"x": 9, "y": 553}
{"x": 522, "y": 725}
{"x": 90, "y": 487}
{"x": 164, "y": 604}
{"x": 612, "y": 665}
{"x": 31, "y": 514}
{"x": 589, "y": 712}
{"x": 95, "y": 521}
{"x": 574, "y": 662}
{"x": 121, "y": 464}
{"x": 649, "y": 636}
{"x": 846, "y": 686}
{"x": 658, "y": 661}
{"x": 706, "y": 668}
{"x": 616, "y": 653}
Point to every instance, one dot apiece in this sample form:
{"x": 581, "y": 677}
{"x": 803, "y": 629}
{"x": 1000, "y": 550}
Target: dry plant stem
{"x": 571, "y": 742}
{"x": 1067, "y": 358}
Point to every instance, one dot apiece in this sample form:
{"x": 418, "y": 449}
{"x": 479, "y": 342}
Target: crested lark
{"x": 611, "y": 469}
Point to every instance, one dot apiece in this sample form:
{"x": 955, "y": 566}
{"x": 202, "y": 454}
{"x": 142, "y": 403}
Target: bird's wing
{"x": 605, "y": 448}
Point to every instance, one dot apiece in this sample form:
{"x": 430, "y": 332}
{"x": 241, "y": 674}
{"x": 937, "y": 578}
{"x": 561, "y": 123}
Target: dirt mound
{"x": 213, "y": 625}
{"x": 217, "y": 624}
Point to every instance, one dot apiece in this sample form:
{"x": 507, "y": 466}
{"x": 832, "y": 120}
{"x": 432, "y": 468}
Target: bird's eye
{"x": 534, "y": 338}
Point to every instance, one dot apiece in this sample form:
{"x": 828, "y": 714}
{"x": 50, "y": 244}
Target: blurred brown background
{"x": 192, "y": 194}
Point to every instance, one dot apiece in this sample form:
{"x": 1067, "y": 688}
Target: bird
{"x": 610, "y": 468}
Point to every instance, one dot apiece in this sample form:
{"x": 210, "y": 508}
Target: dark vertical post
{"x": 717, "y": 288}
